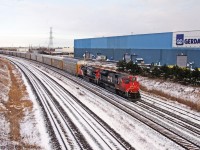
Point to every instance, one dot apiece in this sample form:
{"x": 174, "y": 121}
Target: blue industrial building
{"x": 160, "y": 48}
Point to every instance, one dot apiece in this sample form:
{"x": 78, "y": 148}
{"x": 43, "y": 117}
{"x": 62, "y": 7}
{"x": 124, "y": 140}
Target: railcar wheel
{"x": 117, "y": 91}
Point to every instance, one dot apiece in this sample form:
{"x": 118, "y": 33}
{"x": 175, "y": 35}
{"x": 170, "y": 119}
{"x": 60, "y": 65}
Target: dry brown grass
{"x": 192, "y": 105}
{"x": 3, "y": 73}
{"x": 16, "y": 105}
{"x": 4, "y": 81}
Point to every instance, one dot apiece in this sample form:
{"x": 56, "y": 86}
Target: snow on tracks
{"x": 72, "y": 125}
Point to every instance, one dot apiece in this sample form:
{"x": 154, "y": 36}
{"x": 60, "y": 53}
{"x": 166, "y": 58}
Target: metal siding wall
{"x": 47, "y": 60}
{"x": 113, "y": 42}
{"x": 78, "y": 52}
{"x": 143, "y": 41}
{"x": 149, "y": 56}
{"x": 28, "y": 55}
{"x": 164, "y": 56}
{"x": 193, "y": 56}
{"x": 150, "y": 41}
{"x": 169, "y": 57}
{"x": 119, "y": 53}
{"x": 39, "y": 58}
{"x": 33, "y": 56}
{"x": 107, "y": 52}
{"x": 117, "y": 42}
{"x": 99, "y": 43}
{"x": 23, "y": 55}
{"x": 82, "y": 43}
{"x": 76, "y": 43}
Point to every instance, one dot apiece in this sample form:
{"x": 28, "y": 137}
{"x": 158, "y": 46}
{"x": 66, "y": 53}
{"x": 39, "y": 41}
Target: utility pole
{"x": 50, "y": 39}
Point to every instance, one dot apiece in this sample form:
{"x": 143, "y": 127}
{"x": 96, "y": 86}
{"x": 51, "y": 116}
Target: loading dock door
{"x": 181, "y": 60}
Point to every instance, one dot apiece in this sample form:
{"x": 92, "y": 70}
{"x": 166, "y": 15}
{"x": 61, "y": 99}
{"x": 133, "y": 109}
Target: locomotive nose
{"x": 134, "y": 88}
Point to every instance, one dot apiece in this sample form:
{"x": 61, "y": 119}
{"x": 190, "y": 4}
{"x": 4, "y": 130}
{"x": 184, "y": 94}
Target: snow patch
{"x": 36, "y": 126}
{"x": 174, "y": 89}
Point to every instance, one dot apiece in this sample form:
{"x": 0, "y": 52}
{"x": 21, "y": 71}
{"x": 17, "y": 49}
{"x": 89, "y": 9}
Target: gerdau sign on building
{"x": 186, "y": 39}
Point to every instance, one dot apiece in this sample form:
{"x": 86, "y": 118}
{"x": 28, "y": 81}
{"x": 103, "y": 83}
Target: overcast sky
{"x": 28, "y": 22}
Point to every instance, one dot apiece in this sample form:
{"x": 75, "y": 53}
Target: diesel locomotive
{"x": 120, "y": 83}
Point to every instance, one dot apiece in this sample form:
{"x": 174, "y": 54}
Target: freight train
{"x": 122, "y": 84}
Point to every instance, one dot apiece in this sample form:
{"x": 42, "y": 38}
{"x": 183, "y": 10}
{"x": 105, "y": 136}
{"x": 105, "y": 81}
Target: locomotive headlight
{"x": 132, "y": 89}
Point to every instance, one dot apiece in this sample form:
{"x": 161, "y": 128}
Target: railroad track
{"x": 140, "y": 112}
{"x": 192, "y": 126}
{"x": 62, "y": 109}
{"x": 133, "y": 109}
{"x": 174, "y": 108}
{"x": 58, "y": 135}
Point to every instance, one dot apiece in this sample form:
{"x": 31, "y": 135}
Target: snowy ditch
{"x": 32, "y": 132}
{"x": 187, "y": 93}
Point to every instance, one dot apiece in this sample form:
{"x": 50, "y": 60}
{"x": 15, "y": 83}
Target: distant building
{"x": 156, "y": 48}
{"x": 69, "y": 50}
{"x": 23, "y": 49}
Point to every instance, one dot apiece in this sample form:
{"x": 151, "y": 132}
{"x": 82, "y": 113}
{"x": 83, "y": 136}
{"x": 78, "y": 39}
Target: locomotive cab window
{"x": 126, "y": 80}
{"x": 134, "y": 79}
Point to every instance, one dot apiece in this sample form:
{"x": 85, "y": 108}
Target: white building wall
{"x": 65, "y": 49}
{"x": 186, "y": 39}
{"x": 23, "y": 49}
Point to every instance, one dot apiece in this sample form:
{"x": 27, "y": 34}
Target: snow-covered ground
{"x": 176, "y": 90}
{"x": 32, "y": 130}
{"x": 4, "y": 86}
{"x": 33, "y": 125}
{"x": 136, "y": 133}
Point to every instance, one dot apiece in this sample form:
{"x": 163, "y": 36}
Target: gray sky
{"x": 27, "y": 22}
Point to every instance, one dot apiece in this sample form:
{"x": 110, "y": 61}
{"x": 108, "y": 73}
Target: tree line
{"x": 177, "y": 74}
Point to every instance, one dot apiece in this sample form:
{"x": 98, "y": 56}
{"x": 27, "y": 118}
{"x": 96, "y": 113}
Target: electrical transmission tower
{"x": 51, "y": 39}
